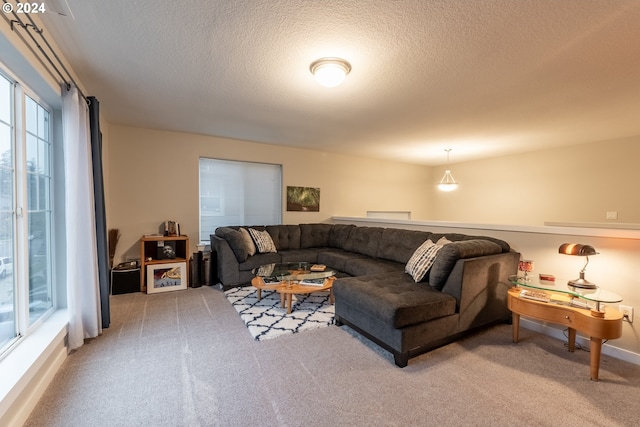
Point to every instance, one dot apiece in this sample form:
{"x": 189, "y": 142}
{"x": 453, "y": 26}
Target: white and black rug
{"x": 266, "y": 319}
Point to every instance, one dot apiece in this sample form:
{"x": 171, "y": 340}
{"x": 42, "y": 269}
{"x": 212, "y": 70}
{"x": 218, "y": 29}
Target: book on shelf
{"x": 171, "y": 228}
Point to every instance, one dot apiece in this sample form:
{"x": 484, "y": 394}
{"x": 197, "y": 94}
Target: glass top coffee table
{"x": 293, "y": 278}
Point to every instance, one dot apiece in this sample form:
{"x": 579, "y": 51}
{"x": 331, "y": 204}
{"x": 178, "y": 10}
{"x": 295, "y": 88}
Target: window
{"x": 25, "y": 211}
{"x": 238, "y": 193}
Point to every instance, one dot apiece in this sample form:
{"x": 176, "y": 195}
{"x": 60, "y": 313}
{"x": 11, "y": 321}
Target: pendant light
{"x": 447, "y": 183}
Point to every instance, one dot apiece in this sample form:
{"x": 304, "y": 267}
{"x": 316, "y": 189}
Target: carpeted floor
{"x": 185, "y": 359}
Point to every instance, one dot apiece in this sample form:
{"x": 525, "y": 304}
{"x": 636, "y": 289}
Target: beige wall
{"x": 153, "y": 176}
{"x": 577, "y": 183}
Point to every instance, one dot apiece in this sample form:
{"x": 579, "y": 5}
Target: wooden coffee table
{"x": 288, "y": 278}
{"x": 288, "y": 291}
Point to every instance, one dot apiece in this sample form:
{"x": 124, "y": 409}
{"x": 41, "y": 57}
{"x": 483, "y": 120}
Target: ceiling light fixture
{"x": 330, "y": 72}
{"x": 447, "y": 183}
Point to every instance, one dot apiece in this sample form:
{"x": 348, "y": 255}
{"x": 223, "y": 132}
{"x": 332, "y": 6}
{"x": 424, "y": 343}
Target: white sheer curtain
{"x": 83, "y": 294}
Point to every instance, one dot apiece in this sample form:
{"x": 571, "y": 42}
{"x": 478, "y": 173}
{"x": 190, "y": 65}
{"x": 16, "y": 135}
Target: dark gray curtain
{"x": 101, "y": 217}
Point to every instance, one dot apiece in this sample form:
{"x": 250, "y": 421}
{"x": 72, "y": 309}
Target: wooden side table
{"x": 597, "y": 328}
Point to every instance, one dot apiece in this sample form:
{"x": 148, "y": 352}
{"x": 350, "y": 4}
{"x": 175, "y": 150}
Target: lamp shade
{"x": 447, "y": 183}
{"x": 577, "y": 249}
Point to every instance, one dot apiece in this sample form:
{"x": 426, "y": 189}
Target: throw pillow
{"x": 422, "y": 260}
{"x": 251, "y": 247}
{"x": 264, "y": 242}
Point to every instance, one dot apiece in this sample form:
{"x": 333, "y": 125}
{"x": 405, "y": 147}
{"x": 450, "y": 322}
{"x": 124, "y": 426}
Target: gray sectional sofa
{"x": 465, "y": 288}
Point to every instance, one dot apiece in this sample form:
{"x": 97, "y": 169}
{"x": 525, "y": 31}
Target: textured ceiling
{"x": 485, "y": 78}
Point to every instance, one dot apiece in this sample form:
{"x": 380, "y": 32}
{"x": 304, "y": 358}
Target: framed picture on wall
{"x": 303, "y": 199}
{"x": 166, "y": 277}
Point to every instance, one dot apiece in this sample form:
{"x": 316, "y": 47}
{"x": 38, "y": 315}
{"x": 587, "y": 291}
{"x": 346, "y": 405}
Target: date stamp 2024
{"x": 24, "y": 8}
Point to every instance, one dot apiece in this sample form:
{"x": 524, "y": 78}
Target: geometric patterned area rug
{"x": 266, "y": 319}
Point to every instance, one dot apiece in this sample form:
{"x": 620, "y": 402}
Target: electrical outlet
{"x": 612, "y": 215}
{"x": 627, "y": 312}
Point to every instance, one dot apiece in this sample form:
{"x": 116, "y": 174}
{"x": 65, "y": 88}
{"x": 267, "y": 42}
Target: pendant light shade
{"x": 447, "y": 183}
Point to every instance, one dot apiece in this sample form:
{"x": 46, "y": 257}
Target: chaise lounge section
{"x": 465, "y": 288}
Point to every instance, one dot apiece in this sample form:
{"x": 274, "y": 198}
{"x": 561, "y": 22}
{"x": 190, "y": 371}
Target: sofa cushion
{"x": 339, "y": 235}
{"x": 285, "y": 236}
{"x": 338, "y": 258}
{"x": 264, "y": 242}
{"x": 394, "y": 298}
{"x": 451, "y": 253}
{"x": 299, "y": 255}
{"x": 314, "y": 235}
{"x": 398, "y": 244}
{"x": 364, "y": 240}
{"x": 235, "y": 241}
{"x": 366, "y": 266}
{"x": 248, "y": 241}
{"x": 457, "y": 237}
{"x": 422, "y": 260}
{"x": 503, "y": 245}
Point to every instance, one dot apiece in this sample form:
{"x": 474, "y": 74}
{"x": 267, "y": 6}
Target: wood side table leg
{"x": 289, "y": 300}
{"x": 596, "y": 349}
{"x": 572, "y": 340}
{"x": 332, "y": 300}
{"x": 515, "y": 325}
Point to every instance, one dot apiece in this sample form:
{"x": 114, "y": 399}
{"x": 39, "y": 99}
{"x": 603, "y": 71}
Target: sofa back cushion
{"x": 285, "y": 236}
{"x": 504, "y": 246}
{"x": 248, "y": 240}
{"x": 452, "y": 252}
{"x": 314, "y": 235}
{"x": 399, "y": 245}
{"x": 457, "y": 237}
{"x": 339, "y": 235}
{"x": 236, "y": 242}
{"x": 364, "y": 240}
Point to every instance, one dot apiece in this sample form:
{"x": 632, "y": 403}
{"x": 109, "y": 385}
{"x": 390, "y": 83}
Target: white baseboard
{"x": 608, "y": 349}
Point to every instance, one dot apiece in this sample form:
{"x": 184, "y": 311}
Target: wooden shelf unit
{"x": 149, "y": 254}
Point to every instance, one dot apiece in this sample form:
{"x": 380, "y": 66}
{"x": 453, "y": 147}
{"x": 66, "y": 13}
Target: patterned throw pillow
{"x": 264, "y": 242}
{"x": 422, "y": 260}
{"x": 248, "y": 241}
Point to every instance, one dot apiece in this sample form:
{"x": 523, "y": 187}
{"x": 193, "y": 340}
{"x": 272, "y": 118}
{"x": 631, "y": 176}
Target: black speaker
{"x": 125, "y": 281}
{"x": 198, "y": 270}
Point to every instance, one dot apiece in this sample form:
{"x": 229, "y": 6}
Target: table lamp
{"x": 579, "y": 250}
{"x": 526, "y": 265}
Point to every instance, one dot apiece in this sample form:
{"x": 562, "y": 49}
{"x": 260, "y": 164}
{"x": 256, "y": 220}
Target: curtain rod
{"x": 32, "y": 25}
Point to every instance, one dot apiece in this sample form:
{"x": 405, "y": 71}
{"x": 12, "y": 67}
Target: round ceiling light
{"x": 330, "y": 72}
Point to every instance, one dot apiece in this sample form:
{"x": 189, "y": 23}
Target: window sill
{"x": 22, "y": 369}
